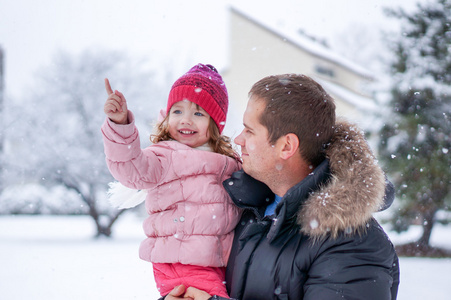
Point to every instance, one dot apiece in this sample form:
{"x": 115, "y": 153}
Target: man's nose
{"x": 239, "y": 139}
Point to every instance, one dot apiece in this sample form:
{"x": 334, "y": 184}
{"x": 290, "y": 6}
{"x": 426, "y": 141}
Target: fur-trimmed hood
{"x": 355, "y": 190}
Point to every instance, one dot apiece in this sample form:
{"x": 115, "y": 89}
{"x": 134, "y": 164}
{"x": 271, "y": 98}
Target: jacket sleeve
{"x": 363, "y": 267}
{"x": 129, "y": 164}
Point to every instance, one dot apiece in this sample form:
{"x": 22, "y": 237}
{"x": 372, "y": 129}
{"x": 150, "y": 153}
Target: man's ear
{"x": 290, "y": 145}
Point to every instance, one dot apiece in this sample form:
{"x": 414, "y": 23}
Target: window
{"x": 325, "y": 71}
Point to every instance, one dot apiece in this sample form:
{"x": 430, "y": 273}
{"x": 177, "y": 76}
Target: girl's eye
{"x": 177, "y": 111}
{"x": 199, "y": 114}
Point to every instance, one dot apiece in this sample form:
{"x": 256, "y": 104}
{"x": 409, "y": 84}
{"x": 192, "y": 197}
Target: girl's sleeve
{"x": 128, "y": 163}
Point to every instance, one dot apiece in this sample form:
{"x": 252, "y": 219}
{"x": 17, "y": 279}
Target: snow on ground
{"x": 48, "y": 257}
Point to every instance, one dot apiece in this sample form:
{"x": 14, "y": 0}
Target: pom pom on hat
{"x": 202, "y": 85}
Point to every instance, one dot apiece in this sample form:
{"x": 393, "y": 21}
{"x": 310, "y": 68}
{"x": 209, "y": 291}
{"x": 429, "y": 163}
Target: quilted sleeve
{"x": 129, "y": 164}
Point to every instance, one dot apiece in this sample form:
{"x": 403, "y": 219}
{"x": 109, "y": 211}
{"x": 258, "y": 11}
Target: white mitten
{"x": 123, "y": 197}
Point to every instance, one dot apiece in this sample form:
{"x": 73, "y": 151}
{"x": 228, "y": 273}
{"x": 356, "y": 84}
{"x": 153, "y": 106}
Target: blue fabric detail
{"x": 270, "y": 209}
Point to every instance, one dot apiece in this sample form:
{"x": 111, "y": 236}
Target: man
{"x": 311, "y": 235}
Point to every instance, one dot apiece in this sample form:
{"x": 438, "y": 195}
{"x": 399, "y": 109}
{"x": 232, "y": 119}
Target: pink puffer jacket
{"x": 191, "y": 217}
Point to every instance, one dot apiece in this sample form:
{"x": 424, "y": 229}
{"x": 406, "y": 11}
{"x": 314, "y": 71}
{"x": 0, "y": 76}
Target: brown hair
{"x": 297, "y": 104}
{"x": 218, "y": 143}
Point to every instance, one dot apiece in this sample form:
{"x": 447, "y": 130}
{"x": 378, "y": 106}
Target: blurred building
{"x": 258, "y": 49}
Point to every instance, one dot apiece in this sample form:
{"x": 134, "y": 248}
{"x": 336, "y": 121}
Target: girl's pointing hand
{"x": 115, "y": 106}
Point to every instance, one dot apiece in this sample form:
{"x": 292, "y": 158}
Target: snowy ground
{"x": 57, "y": 258}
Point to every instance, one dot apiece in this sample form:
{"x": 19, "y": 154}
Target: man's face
{"x": 258, "y": 155}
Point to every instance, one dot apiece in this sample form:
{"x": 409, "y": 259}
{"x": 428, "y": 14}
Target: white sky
{"x": 186, "y": 31}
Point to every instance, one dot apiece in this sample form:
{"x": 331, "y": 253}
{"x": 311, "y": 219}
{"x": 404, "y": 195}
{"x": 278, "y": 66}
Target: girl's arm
{"x": 127, "y": 162}
{"x": 134, "y": 167}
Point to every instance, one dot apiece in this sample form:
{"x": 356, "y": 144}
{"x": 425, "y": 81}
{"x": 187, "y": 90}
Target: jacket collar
{"x": 248, "y": 193}
{"x": 204, "y": 147}
{"x": 295, "y": 197}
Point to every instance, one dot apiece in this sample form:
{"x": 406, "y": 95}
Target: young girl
{"x": 191, "y": 217}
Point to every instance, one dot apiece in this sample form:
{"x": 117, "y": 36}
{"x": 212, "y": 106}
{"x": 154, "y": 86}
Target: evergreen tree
{"x": 415, "y": 139}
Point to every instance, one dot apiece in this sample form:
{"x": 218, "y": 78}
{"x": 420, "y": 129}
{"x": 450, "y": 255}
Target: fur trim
{"x": 355, "y": 191}
{"x": 123, "y": 197}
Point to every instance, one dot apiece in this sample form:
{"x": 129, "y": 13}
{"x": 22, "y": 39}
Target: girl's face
{"x": 188, "y": 124}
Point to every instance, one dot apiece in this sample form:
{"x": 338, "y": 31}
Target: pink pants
{"x": 209, "y": 279}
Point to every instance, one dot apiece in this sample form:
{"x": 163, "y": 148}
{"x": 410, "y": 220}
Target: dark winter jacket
{"x": 323, "y": 242}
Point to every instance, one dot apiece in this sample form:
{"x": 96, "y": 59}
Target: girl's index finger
{"x": 116, "y": 92}
{"x": 108, "y": 88}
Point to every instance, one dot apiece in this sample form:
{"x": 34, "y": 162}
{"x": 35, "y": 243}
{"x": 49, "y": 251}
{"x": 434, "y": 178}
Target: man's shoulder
{"x": 370, "y": 238}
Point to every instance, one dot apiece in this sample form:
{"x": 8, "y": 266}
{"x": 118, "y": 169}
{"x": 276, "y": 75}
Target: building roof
{"x": 307, "y": 44}
{"x": 360, "y": 102}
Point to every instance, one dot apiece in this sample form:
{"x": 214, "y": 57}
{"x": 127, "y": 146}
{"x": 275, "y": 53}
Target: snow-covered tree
{"x": 55, "y": 137}
{"x": 416, "y": 138}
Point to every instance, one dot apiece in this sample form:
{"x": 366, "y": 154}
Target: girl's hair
{"x": 218, "y": 143}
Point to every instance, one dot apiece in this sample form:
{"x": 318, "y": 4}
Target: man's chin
{"x": 248, "y": 171}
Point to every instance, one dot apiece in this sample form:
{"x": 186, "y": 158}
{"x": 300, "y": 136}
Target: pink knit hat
{"x": 202, "y": 85}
